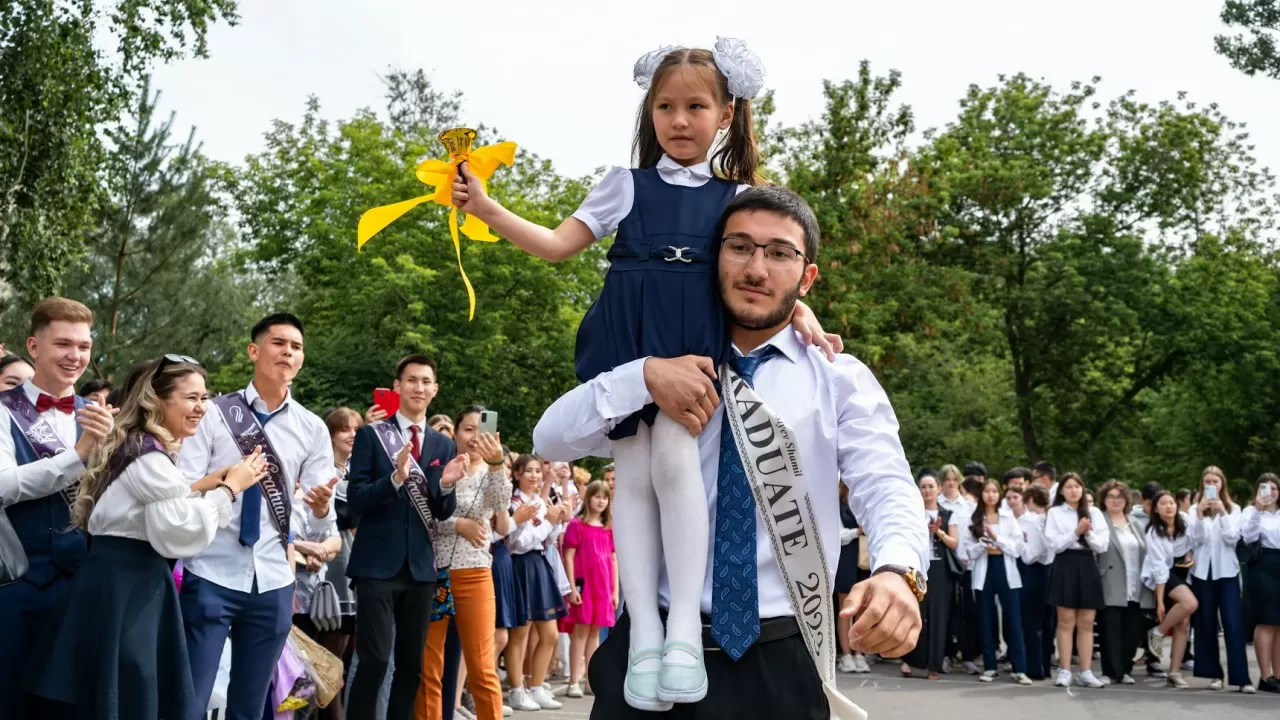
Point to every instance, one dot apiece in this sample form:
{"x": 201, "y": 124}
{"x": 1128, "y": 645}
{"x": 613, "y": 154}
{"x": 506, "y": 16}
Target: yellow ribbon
{"x": 440, "y": 174}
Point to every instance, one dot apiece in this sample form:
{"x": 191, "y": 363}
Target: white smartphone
{"x": 488, "y": 421}
{"x": 1264, "y": 492}
{"x": 1211, "y": 492}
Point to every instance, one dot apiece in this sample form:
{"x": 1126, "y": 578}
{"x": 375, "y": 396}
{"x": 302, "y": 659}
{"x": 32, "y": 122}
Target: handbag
{"x": 13, "y": 559}
{"x": 1248, "y": 552}
{"x": 326, "y": 614}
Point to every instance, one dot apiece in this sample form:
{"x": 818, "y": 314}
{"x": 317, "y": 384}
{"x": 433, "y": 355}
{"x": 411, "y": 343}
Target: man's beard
{"x": 773, "y": 318}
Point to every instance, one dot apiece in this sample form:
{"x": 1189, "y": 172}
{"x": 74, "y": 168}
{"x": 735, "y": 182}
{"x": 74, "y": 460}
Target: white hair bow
{"x": 739, "y": 65}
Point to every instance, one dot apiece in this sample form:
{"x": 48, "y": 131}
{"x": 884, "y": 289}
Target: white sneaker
{"x": 543, "y": 698}
{"x": 971, "y": 668}
{"x": 1064, "y": 678}
{"x": 1215, "y": 684}
{"x": 507, "y": 711}
{"x": 1086, "y": 679}
{"x": 1105, "y": 680}
{"x": 521, "y": 700}
{"x": 860, "y": 664}
{"x": 946, "y": 666}
{"x": 1155, "y": 641}
{"x": 574, "y": 691}
{"x": 988, "y": 676}
{"x": 1127, "y": 680}
{"x": 1189, "y": 666}
{"x": 1022, "y": 679}
{"x": 846, "y": 664}
{"x": 1175, "y": 680}
{"x": 1248, "y": 689}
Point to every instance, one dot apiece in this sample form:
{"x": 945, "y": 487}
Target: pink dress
{"x": 593, "y": 564}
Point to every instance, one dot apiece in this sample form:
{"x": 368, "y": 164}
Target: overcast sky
{"x": 555, "y": 76}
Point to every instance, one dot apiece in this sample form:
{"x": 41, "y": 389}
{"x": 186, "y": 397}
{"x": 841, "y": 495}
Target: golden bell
{"x": 458, "y": 141}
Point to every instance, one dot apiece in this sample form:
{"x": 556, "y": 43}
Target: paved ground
{"x": 887, "y": 696}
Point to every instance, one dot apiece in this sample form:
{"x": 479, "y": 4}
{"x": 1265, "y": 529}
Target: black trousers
{"x": 774, "y": 679}
{"x": 964, "y": 620}
{"x": 931, "y": 647}
{"x": 1039, "y": 645}
{"x": 1122, "y": 630}
{"x": 404, "y": 604}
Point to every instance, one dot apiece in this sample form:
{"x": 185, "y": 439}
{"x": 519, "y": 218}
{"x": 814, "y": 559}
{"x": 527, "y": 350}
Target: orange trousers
{"x": 474, "y": 615}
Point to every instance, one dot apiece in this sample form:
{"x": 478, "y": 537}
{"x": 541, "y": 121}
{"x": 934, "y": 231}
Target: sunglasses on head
{"x": 172, "y": 359}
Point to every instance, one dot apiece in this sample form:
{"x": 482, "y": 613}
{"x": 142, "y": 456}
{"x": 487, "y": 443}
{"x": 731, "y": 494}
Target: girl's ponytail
{"x": 738, "y": 157}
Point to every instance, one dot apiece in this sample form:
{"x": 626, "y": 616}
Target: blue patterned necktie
{"x": 735, "y": 602}
{"x": 251, "y": 500}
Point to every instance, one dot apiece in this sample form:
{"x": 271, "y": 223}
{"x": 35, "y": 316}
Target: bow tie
{"x": 47, "y": 402}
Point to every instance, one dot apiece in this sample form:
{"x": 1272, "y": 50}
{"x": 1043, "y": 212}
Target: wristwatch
{"x": 915, "y": 579}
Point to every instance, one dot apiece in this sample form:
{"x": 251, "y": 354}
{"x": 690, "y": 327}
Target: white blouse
{"x": 1035, "y": 549}
{"x": 1008, "y": 534}
{"x": 152, "y": 501}
{"x": 531, "y": 534}
{"x": 610, "y": 202}
{"x": 1265, "y": 525}
{"x": 1214, "y": 541}
{"x": 1060, "y": 530}
{"x": 1161, "y": 554}
{"x": 1131, "y": 551}
{"x": 480, "y": 494}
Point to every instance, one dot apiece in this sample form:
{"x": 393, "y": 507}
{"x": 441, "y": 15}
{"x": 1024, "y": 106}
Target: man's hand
{"x": 318, "y": 497}
{"x": 402, "y": 465}
{"x": 682, "y": 388}
{"x": 887, "y": 616}
{"x": 374, "y": 414}
{"x": 455, "y": 470}
{"x": 95, "y": 420}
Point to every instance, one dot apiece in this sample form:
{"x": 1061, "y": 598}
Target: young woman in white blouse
{"x": 1215, "y": 530}
{"x": 1122, "y": 589}
{"x": 1033, "y": 566}
{"x": 1075, "y": 531}
{"x": 1260, "y": 525}
{"x": 1164, "y": 572}
{"x": 119, "y": 649}
{"x": 944, "y": 531}
{"x": 992, "y": 541}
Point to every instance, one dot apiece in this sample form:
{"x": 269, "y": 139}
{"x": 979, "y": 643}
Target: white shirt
{"x": 306, "y": 526}
{"x": 610, "y": 202}
{"x": 43, "y": 477}
{"x": 1060, "y": 530}
{"x": 959, "y": 508}
{"x": 1035, "y": 549}
{"x": 532, "y": 534}
{"x": 1131, "y": 551}
{"x": 1214, "y": 540}
{"x": 302, "y": 443}
{"x": 1265, "y": 525}
{"x": 1008, "y": 538}
{"x": 152, "y": 501}
{"x": 935, "y": 545}
{"x": 845, "y": 428}
{"x": 1161, "y": 554}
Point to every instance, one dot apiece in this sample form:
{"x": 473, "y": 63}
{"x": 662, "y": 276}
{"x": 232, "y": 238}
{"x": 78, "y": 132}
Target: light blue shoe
{"x": 640, "y": 689}
{"x": 678, "y": 683}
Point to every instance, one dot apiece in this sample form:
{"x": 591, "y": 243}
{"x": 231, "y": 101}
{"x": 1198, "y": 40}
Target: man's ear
{"x": 807, "y": 279}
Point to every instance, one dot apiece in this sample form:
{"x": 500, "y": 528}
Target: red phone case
{"x": 388, "y": 400}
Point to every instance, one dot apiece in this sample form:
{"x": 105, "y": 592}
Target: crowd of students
{"x": 1036, "y": 560}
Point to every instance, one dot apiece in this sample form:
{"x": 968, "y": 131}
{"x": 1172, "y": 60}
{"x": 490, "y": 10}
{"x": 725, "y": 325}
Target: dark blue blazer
{"x": 389, "y": 532}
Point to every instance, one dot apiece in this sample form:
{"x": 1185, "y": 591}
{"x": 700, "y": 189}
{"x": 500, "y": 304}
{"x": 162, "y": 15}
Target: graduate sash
{"x": 388, "y": 432}
{"x": 39, "y": 433}
{"x": 771, "y": 458}
{"x": 248, "y": 434}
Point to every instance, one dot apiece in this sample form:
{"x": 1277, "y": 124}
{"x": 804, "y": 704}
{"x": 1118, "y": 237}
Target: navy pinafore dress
{"x": 660, "y": 297}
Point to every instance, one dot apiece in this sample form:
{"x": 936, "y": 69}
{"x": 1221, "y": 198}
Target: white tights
{"x": 661, "y": 513}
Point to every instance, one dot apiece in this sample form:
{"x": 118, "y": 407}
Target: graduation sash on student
{"x": 775, "y": 473}
{"x": 248, "y": 434}
{"x": 39, "y": 433}
{"x": 388, "y": 432}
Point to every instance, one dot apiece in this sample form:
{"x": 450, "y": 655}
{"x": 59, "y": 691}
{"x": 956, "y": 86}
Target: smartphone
{"x": 387, "y": 399}
{"x": 1264, "y": 492}
{"x": 488, "y": 421}
{"x": 1211, "y": 492}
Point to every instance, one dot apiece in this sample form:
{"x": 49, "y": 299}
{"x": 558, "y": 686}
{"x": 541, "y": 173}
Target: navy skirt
{"x": 1262, "y": 583}
{"x": 510, "y": 614}
{"x": 117, "y": 649}
{"x": 1076, "y": 582}
{"x": 536, "y": 587}
{"x": 847, "y": 569}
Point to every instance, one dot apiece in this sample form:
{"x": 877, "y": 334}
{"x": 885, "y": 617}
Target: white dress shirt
{"x": 959, "y": 508}
{"x": 1035, "y": 549}
{"x": 935, "y": 545}
{"x": 305, "y": 452}
{"x": 43, "y": 477}
{"x": 845, "y": 428}
{"x": 1161, "y": 554}
{"x": 1131, "y": 551}
{"x": 152, "y": 501}
{"x": 610, "y": 202}
{"x": 1265, "y": 525}
{"x": 1060, "y": 530}
{"x": 1214, "y": 541}
{"x": 532, "y": 534}
{"x": 1008, "y": 538}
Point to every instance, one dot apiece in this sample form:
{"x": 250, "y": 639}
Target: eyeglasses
{"x": 776, "y": 255}
{"x": 172, "y": 359}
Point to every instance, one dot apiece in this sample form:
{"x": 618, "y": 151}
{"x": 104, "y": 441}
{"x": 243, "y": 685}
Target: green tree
{"x": 299, "y": 202}
{"x": 56, "y": 92}
{"x": 1255, "y": 51}
{"x": 156, "y": 271}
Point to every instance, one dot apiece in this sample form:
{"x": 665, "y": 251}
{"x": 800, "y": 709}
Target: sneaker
{"x": 543, "y": 699}
{"x": 575, "y": 690}
{"x": 1175, "y": 681}
{"x": 971, "y": 668}
{"x": 1127, "y": 680}
{"x": 946, "y": 666}
{"x": 1215, "y": 684}
{"x": 1021, "y": 679}
{"x": 1086, "y": 679}
{"x": 507, "y": 711}
{"x": 1270, "y": 685}
{"x": 988, "y": 676}
{"x": 1064, "y": 678}
{"x": 846, "y": 664}
{"x": 1155, "y": 641}
{"x": 465, "y": 714}
{"x": 860, "y": 664}
{"x": 1156, "y": 670}
{"x": 1105, "y": 680}
{"x": 1247, "y": 689}
{"x": 520, "y": 700}
{"x": 1189, "y": 666}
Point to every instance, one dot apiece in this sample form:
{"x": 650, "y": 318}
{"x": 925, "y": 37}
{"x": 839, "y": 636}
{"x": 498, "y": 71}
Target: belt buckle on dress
{"x": 677, "y": 253}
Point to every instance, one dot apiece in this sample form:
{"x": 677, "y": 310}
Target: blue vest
{"x": 44, "y": 525}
